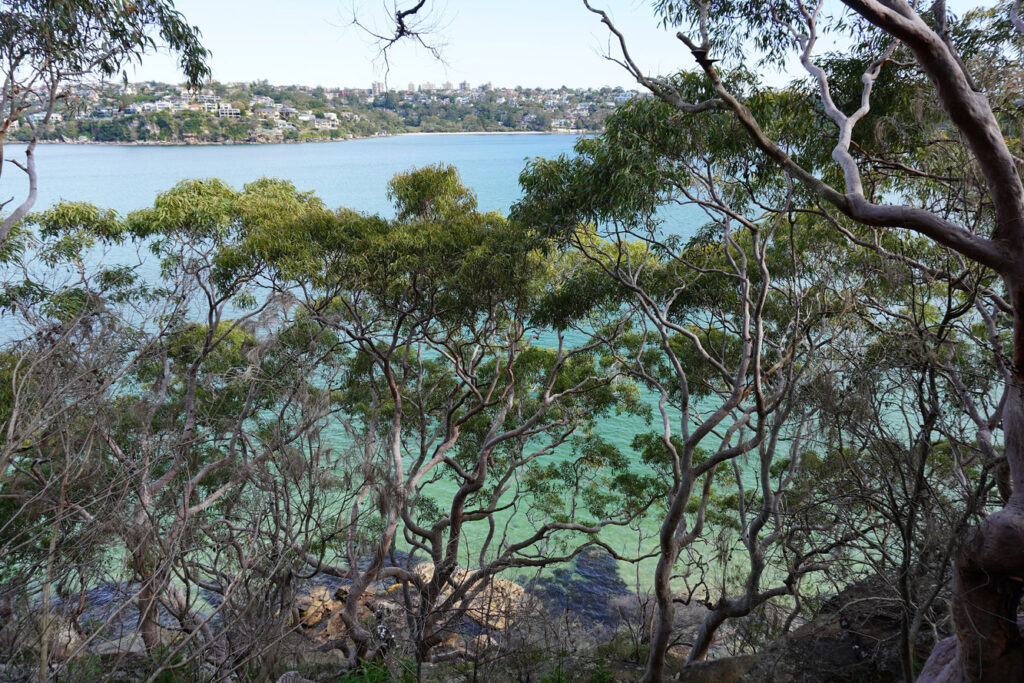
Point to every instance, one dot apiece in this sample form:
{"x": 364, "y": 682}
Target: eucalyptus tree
{"x": 724, "y": 330}
{"x": 872, "y": 148}
{"x": 459, "y": 414}
{"x": 165, "y": 422}
{"x": 47, "y": 47}
{"x": 897, "y": 472}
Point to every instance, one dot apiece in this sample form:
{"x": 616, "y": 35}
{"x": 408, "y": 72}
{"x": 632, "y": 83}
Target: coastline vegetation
{"x": 258, "y": 112}
{"x": 320, "y": 444}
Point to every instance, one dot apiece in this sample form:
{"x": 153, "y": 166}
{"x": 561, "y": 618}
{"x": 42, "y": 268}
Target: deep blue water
{"x": 352, "y": 173}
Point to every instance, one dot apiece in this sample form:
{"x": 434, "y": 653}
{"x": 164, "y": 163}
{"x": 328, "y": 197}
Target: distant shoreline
{"x": 182, "y": 143}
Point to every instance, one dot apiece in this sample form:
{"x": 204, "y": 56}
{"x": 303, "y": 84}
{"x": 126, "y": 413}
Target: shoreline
{"x": 182, "y": 143}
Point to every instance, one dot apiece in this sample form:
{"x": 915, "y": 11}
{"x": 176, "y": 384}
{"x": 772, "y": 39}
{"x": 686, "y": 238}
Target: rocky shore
{"x": 223, "y": 143}
{"x": 583, "y": 612}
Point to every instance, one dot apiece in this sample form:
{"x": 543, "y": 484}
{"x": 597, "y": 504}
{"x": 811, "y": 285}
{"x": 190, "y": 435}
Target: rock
{"x": 65, "y": 640}
{"x": 590, "y": 590}
{"x": 494, "y": 606}
{"x": 481, "y": 643}
{"x": 321, "y": 665}
{"x": 451, "y": 640}
{"x": 333, "y": 630}
{"x": 315, "y": 605}
{"x": 383, "y": 607}
{"x": 943, "y": 666}
{"x": 293, "y": 677}
{"x": 323, "y": 615}
{"x": 725, "y": 670}
{"x": 855, "y": 638}
{"x": 130, "y": 643}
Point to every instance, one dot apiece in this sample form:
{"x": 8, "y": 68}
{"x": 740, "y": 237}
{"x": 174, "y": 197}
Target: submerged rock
{"x": 591, "y": 589}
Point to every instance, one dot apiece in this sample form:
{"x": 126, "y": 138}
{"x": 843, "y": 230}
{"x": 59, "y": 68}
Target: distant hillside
{"x": 259, "y": 112}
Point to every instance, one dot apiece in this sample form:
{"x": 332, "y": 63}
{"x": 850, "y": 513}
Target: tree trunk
{"x": 149, "y": 624}
{"x": 705, "y": 636}
{"x": 139, "y": 540}
{"x": 664, "y": 617}
{"x": 989, "y": 569}
{"x": 670, "y": 547}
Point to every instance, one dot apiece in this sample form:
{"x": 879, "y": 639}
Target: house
{"x": 226, "y": 111}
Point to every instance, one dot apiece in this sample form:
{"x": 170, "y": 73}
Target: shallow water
{"x": 353, "y": 174}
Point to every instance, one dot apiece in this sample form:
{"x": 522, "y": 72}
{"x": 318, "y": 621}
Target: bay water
{"x": 352, "y": 174}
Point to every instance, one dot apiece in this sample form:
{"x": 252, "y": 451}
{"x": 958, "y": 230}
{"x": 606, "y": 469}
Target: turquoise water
{"x": 353, "y": 174}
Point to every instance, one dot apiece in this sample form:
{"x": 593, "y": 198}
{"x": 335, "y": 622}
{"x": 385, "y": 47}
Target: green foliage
{"x": 86, "y": 36}
{"x": 370, "y": 672}
{"x": 433, "y": 192}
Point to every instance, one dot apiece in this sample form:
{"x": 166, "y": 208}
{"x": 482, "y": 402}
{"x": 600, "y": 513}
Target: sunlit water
{"x": 352, "y": 174}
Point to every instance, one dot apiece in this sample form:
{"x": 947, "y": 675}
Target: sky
{"x": 545, "y": 43}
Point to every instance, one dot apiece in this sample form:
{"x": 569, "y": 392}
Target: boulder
{"x": 482, "y": 643}
{"x": 293, "y": 677}
{"x": 725, "y": 670}
{"x": 65, "y": 640}
{"x": 942, "y": 665}
{"x": 493, "y": 606}
{"x": 314, "y": 605}
{"x": 855, "y": 638}
{"x": 129, "y": 643}
{"x": 333, "y": 630}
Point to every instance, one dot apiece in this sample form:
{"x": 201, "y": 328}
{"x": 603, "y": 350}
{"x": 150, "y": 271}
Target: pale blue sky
{"x": 508, "y": 42}
{"x": 523, "y": 42}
